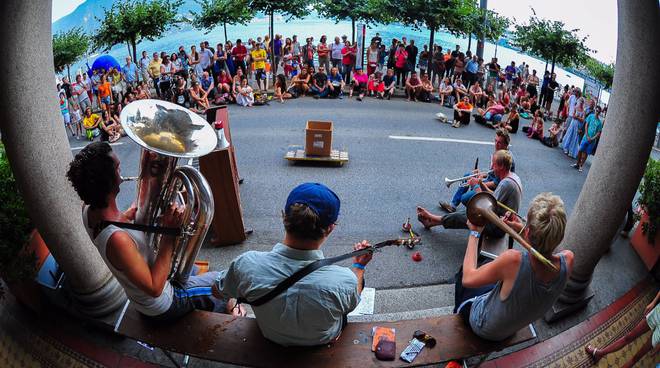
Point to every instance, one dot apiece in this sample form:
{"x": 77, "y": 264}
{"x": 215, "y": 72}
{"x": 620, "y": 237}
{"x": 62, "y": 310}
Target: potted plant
{"x": 646, "y": 239}
{"x": 22, "y": 251}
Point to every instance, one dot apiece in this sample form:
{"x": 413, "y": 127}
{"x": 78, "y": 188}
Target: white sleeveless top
{"x": 143, "y": 302}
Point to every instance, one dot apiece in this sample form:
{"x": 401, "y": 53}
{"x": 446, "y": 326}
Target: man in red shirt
{"x": 348, "y": 60}
{"x": 239, "y": 53}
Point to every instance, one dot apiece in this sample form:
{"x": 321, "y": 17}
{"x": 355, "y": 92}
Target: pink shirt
{"x": 361, "y": 78}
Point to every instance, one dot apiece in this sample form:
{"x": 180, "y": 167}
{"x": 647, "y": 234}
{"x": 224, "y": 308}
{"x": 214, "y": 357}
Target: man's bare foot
{"x": 593, "y": 353}
{"x": 427, "y": 219}
{"x": 235, "y": 310}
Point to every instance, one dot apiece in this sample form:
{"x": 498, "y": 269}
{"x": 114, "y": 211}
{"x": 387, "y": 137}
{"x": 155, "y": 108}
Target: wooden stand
{"x": 219, "y": 168}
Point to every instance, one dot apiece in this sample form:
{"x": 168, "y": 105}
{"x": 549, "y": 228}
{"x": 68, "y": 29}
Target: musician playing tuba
{"x": 143, "y": 273}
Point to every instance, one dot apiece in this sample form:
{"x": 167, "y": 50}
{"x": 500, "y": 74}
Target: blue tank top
{"x": 495, "y": 319}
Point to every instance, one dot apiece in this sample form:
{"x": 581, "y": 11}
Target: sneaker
{"x": 316, "y": 97}
{"x": 575, "y": 166}
{"x": 447, "y": 207}
{"x": 456, "y": 124}
{"x": 359, "y": 98}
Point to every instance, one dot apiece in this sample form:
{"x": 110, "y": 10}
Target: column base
{"x": 562, "y": 309}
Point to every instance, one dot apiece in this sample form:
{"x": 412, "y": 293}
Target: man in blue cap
{"x": 313, "y": 310}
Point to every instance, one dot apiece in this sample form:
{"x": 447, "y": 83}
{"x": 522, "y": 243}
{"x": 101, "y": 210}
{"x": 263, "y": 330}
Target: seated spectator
{"x": 181, "y": 95}
{"x": 504, "y": 97}
{"x": 312, "y": 311}
{"x": 236, "y": 82}
{"x": 424, "y": 93}
{"x": 491, "y": 115}
{"x": 110, "y": 128}
{"x": 500, "y": 297}
{"x": 552, "y": 140}
{"x": 459, "y": 89}
{"x": 300, "y": 84}
{"x": 476, "y": 94}
{"x": 207, "y": 85}
{"x": 512, "y": 122}
{"x": 245, "y": 95}
{"x": 376, "y": 86}
{"x": 389, "y": 82}
{"x": 535, "y": 131}
{"x": 280, "y": 88}
{"x": 320, "y": 83}
{"x": 359, "y": 83}
{"x": 335, "y": 83}
{"x": 413, "y": 86}
{"x": 91, "y": 124}
{"x": 462, "y": 111}
{"x": 142, "y": 92}
{"x": 200, "y": 101}
{"x": 446, "y": 90}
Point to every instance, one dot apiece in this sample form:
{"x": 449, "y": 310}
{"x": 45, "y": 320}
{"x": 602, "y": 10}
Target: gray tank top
{"x": 143, "y": 302}
{"x": 494, "y": 319}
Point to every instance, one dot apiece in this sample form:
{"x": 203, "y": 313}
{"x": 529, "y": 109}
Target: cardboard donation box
{"x": 318, "y": 138}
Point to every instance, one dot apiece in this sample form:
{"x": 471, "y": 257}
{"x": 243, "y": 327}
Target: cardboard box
{"x": 318, "y": 138}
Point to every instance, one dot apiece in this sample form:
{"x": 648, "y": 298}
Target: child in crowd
{"x": 76, "y": 119}
{"x": 64, "y": 109}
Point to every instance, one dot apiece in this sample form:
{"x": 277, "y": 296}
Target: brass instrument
{"x": 449, "y": 182}
{"x": 168, "y": 132}
{"x": 481, "y": 210}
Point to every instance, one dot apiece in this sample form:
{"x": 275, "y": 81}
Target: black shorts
{"x": 259, "y": 74}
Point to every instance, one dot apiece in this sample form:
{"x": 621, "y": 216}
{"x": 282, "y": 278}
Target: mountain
{"x": 86, "y": 13}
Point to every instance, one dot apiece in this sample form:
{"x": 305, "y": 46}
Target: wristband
{"x": 358, "y": 265}
{"x": 476, "y": 234}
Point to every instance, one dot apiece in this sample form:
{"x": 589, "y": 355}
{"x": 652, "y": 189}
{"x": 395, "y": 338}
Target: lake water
{"x": 315, "y": 26}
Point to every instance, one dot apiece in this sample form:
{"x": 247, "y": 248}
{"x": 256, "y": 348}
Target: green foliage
{"x": 132, "y": 21}
{"x": 290, "y": 8}
{"x": 369, "y": 11}
{"x": 485, "y": 23}
{"x": 68, "y": 47}
{"x": 221, "y": 12}
{"x": 649, "y": 199}
{"x": 15, "y": 227}
{"x": 604, "y": 73}
{"x": 451, "y": 15}
{"x": 550, "y": 41}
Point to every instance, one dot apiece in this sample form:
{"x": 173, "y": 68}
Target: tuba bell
{"x": 166, "y": 133}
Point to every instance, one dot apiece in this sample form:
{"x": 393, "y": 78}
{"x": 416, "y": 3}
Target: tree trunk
{"x": 272, "y": 40}
{"x": 352, "y": 30}
{"x": 224, "y": 25}
{"x": 553, "y": 65}
{"x": 483, "y": 4}
{"x": 431, "y": 40}
{"x": 469, "y": 41}
{"x": 546, "y": 66}
{"x": 68, "y": 73}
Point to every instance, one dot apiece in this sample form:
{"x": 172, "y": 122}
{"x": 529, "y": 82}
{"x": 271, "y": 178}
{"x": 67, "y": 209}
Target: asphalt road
{"x": 380, "y": 186}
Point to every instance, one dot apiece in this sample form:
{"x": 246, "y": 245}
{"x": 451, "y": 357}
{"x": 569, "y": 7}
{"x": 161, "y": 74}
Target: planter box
{"x": 648, "y": 252}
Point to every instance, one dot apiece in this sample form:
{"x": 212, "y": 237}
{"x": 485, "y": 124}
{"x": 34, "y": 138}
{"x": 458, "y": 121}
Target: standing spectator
{"x": 391, "y": 59}
{"x": 144, "y": 66}
{"x": 533, "y": 84}
{"x": 348, "y": 60}
{"x": 239, "y": 53}
{"x": 437, "y": 64}
{"x": 258, "y": 56}
{"x": 64, "y": 109}
{"x": 193, "y": 60}
{"x": 401, "y": 58}
{"x": 231, "y": 66}
{"x": 205, "y": 59}
{"x": 276, "y": 50}
{"x": 219, "y": 60}
{"x": 167, "y": 71}
{"x": 372, "y": 58}
{"x": 459, "y": 66}
{"x": 183, "y": 57}
{"x": 154, "y": 72}
{"x": 493, "y": 72}
{"x": 79, "y": 93}
{"x": 544, "y": 86}
{"x": 87, "y": 82}
{"x": 509, "y": 73}
{"x": 377, "y": 40}
{"x": 129, "y": 72}
{"x": 382, "y": 53}
{"x": 593, "y": 128}
{"x": 550, "y": 92}
{"x": 424, "y": 60}
{"x": 335, "y": 53}
{"x": 308, "y": 52}
{"x": 295, "y": 48}
{"x": 471, "y": 69}
{"x": 452, "y": 61}
{"x": 412, "y": 57}
{"x": 95, "y": 80}
{"x": 324, "y": 53}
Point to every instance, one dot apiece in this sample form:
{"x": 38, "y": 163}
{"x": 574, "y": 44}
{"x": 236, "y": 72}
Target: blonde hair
{"x": 504, "y": 159}
{"x": 546, "y": 220}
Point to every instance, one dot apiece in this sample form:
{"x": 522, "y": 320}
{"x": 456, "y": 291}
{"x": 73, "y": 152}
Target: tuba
{"x": 166, "y": 133}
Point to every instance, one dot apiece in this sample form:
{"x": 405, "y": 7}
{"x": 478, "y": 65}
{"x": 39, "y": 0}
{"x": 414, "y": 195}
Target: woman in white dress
{"x": 245, "y": 97}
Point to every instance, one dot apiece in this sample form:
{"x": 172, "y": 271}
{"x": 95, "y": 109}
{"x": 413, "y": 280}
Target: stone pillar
{"x": 39, "y": 153}
{"x": 623, "y": 150}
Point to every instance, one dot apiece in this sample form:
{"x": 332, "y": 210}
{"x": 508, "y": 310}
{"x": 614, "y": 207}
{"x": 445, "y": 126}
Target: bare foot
{"x": 234, "y": 309}
{"x": 427, "y": 218}
{"x": 593, "y": 353}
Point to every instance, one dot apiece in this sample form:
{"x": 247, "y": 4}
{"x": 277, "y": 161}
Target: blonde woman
{"x": 498, "y": 298}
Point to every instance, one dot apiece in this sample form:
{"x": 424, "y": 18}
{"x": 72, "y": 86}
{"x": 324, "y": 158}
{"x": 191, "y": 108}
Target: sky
{"x": 596, "y": 19}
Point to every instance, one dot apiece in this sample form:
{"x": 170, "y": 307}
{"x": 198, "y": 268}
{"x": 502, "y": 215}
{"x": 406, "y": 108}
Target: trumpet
{"x": 449, "y": 182}
{"x": 481, "y": 210}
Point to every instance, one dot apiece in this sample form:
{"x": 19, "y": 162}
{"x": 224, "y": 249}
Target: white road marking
{"x": 432, "y": 139}
{"x": 112, "y": 144}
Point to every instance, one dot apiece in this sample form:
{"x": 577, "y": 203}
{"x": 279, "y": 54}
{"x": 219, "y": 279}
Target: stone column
{"x": 39, "y": 153}
{"x": 623, "y": 150}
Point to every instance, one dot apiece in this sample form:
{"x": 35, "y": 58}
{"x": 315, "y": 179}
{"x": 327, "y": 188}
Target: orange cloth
{"x": 104, "y": 89}
{"x": 464, "y": 105}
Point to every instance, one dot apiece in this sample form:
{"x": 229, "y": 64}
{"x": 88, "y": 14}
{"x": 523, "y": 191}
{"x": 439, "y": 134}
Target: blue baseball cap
{"x": 319, "y": 198}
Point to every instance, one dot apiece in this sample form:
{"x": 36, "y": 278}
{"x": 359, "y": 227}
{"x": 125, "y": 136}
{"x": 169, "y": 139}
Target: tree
{"x": 550, "y": 41}
{"x": 485, "y": 24}
{"x": 132, "y": 21}
{"x": 369, "y": 11}
{"x": 604, "y": 73}
{"x": 290, "y": 8}
{"x": 69, "y": 47}
{"x": 215, "y": 12}
{"x": 433, "y": 15}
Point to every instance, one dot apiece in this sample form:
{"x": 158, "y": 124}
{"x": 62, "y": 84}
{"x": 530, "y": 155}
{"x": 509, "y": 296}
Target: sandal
{"x": 447, "y": 207}
{"x": 591, "y": 352}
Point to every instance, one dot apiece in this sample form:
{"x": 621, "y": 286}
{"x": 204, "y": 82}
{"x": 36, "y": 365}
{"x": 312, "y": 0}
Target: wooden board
{"x": 336, "y": 156}
{"x": 238, "y": 340}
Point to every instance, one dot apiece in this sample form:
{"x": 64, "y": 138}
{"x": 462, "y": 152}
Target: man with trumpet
{"x": 143, "y": 273}
{"x": 466, "y": 190}
{"x": 508, "y": 192}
